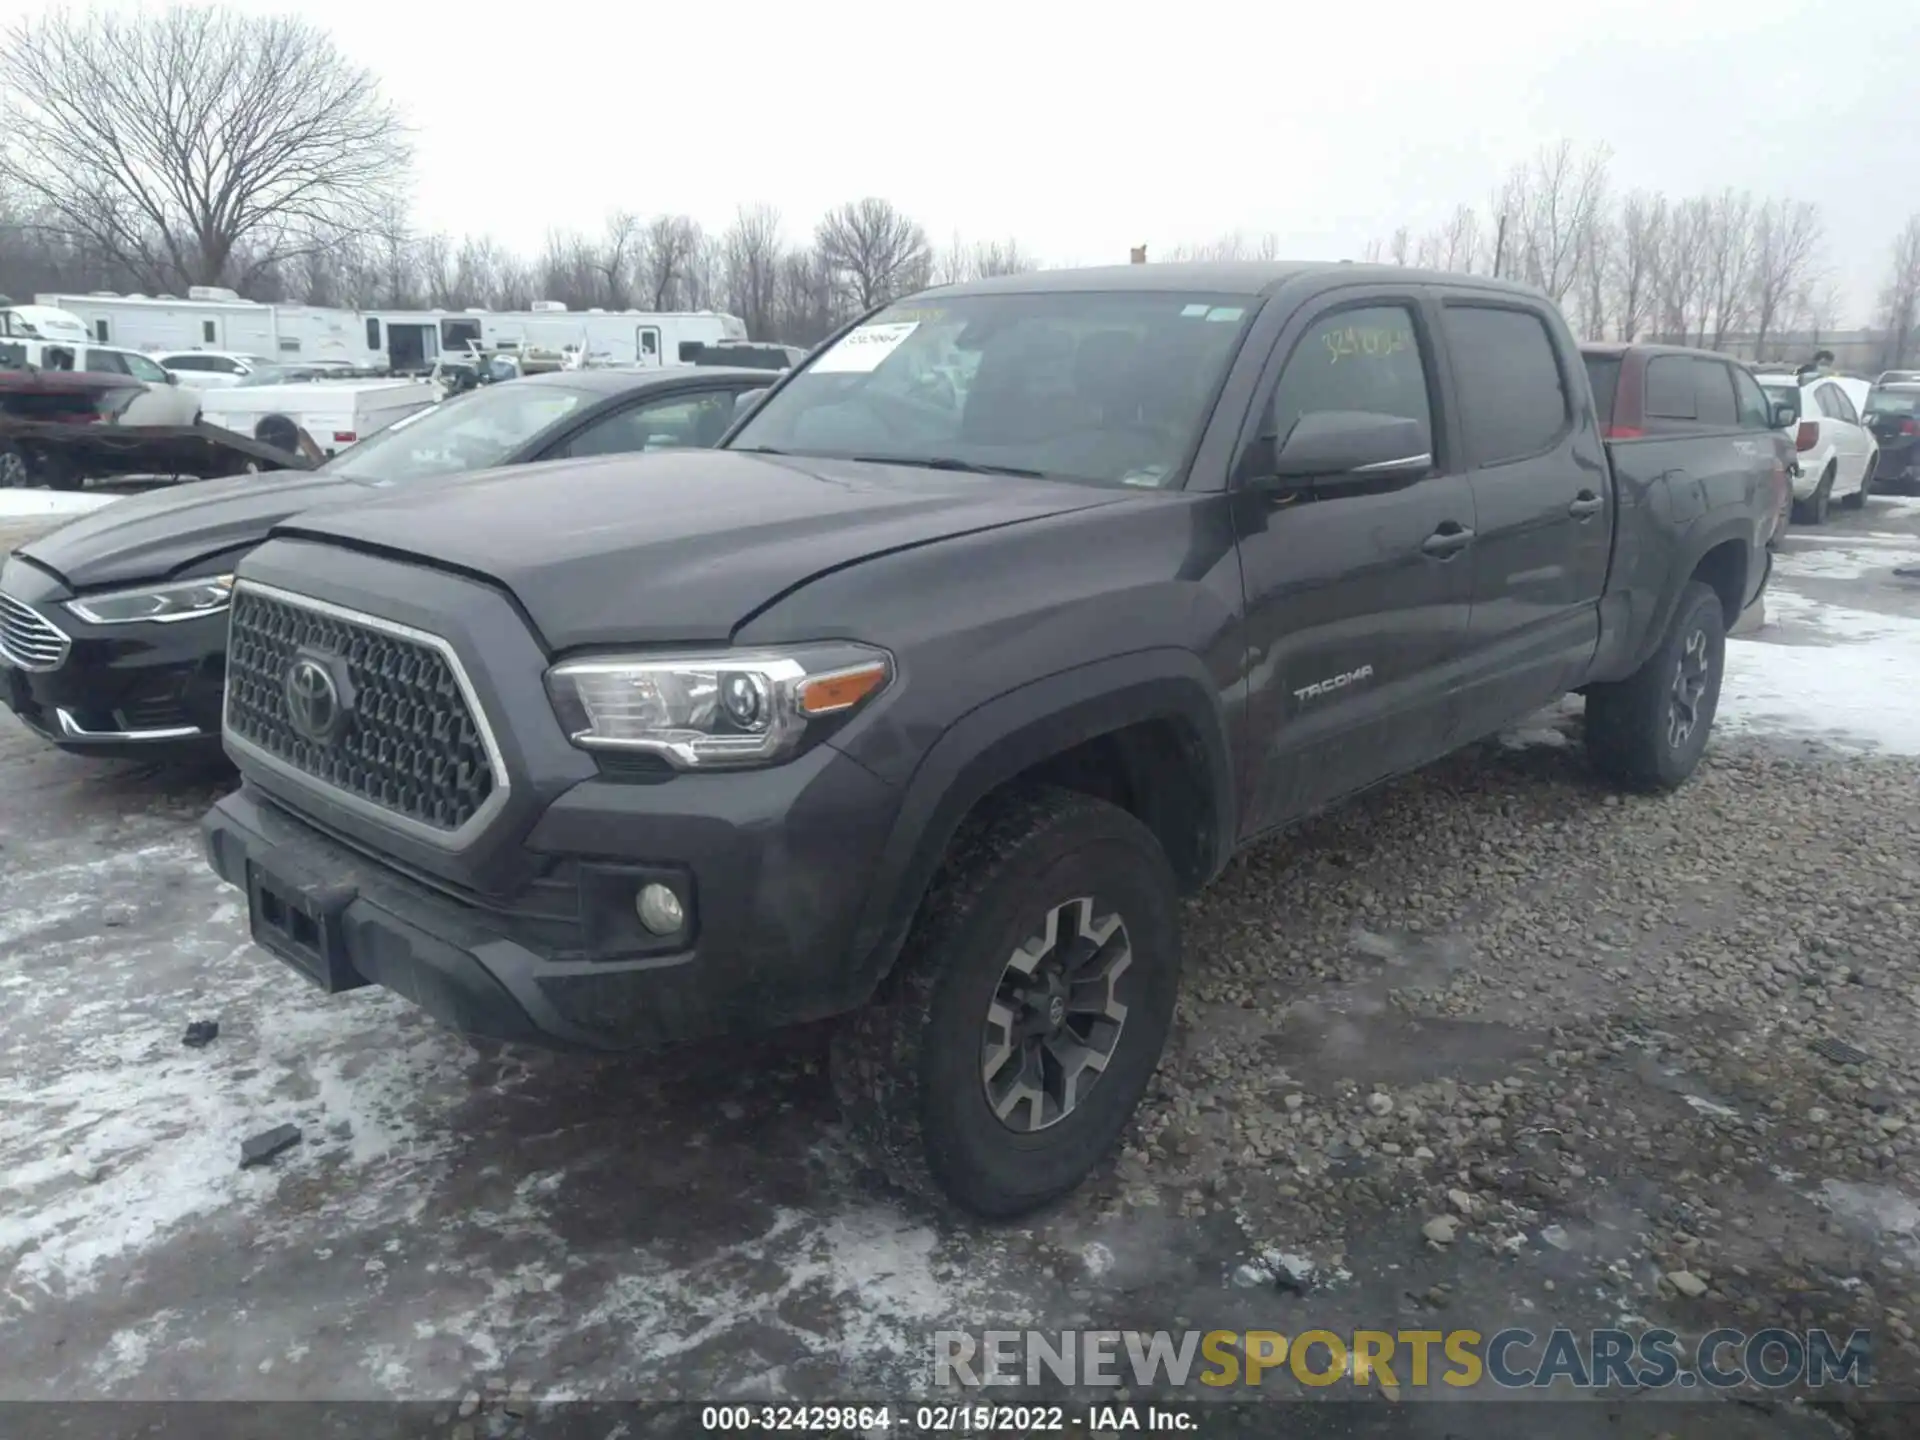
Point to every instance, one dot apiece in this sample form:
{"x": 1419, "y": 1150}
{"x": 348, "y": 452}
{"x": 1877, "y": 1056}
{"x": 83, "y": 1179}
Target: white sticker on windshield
{"x": 1194, "y": 312}
{"x": 864, "y": 349}
{"x": 1226, "y": 312}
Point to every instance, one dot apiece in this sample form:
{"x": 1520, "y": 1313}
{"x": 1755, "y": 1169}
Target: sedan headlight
{"x": 183, "y": 600}
{"x": 714, "y": 711}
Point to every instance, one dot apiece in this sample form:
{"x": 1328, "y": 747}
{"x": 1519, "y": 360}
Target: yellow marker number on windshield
{"x": 1371, "y": 342}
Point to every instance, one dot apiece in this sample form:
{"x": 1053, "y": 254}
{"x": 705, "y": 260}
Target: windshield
{"x": 1109, "y": 387}
{"x": 467, "y": 432}
{"x": 1894, "y": 402}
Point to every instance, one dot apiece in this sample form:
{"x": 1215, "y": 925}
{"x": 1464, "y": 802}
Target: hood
{"x": 682, "y": 545}
{"x": 155, "y": 535}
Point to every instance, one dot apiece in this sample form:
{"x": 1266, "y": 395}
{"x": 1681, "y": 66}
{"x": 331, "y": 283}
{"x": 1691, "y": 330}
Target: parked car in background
{"x": 213, "y": 369}
{"x": 1897, "y": 377}
{"x": 1696, "y": 413}
{"x": 162, "y": 399}
{"x": 1893, "y": 414}
{"x": 1836, "y": 451}
{"x": 925, "y": 706}
{"x": 113, "y": 628}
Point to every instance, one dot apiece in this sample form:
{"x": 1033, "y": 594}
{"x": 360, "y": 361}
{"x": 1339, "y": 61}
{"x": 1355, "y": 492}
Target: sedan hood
{"x": 680, "y": 546}
{"x": 158, "y": 534}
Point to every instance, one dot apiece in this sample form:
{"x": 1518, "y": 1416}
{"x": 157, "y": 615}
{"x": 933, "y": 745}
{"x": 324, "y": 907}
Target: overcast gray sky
{"x": 1085, "y": 128}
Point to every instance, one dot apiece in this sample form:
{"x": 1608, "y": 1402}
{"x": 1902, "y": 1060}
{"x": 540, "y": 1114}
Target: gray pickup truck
{"x": 997, "y": 626}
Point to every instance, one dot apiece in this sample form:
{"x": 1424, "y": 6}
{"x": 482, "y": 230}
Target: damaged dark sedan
{"x": 113, "y": 627}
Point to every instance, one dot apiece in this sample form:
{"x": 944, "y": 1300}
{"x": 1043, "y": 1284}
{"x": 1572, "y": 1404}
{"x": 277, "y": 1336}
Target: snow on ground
{"x": 38, "y": 504}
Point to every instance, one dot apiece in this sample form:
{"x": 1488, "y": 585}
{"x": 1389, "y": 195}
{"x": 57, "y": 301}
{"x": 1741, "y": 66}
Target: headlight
{"x": 180, "y": 601}
{"x": 711, "y": 712}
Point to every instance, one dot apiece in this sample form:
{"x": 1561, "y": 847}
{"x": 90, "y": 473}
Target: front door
{"x": 1358, "y": 605}
{"x": 646, "y": 344}
{"x": 1544, "y": 502}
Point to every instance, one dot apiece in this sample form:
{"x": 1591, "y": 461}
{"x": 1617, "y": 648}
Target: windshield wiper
{"x": 756, "y": 449}
{"x": 950, "y": 462}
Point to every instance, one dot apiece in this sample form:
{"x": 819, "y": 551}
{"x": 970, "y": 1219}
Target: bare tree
{"x": 808, "y": 305}
{"x": 1638, "y": 237}
{"x": 180, "y": 143}
{"x": 873, "y": 251}
{"x": 671, "y": 258}
{"x": 750, "y": 254}
{"x": 1786, "y": 238}
{"x": 619, "y": 254}
{"x": 1731, "y": 249}
{"x": 1900, "y": 300}
{"x": 1681, "y": 276}
{"x": 1234, "y": 245}
{"x": 1593, "y": 272}
{"x": 1551, "y": 201}
{"x": 979, "y": 260}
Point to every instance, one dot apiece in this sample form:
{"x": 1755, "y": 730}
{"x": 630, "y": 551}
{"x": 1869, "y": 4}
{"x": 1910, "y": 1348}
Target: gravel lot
{"x": 1487, "y": 1046}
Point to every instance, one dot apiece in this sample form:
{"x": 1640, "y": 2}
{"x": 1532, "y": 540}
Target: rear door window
{"x": 106, "y": 362}
{"x": 1713, "y": 389}
{"x": 1750, "y": 403}
{"x": 1671, "y": 391}
{"x": 1513, "y": 398}
{"x": 1834, "y": 401}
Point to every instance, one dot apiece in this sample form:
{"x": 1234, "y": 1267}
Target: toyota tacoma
{"x": 998, "y": 626}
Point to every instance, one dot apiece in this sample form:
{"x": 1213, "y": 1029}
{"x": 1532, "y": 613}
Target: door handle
{"x": 1446, "y": 542}
{"x": 1586, "y": 505}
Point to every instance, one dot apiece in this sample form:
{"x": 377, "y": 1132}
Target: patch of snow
{"x": 38, "y": 504}
{"x": 1535, "y": 738}
{"x": 1894, "y": 1216}
{"x": 1845, "y": 695}
{"x": 1836, "y": 622}
{"x": 1848, "y": 562}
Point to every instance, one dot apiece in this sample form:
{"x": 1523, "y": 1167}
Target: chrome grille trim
{"x": 28, "y": 639}
{"x": 456, "y": 839}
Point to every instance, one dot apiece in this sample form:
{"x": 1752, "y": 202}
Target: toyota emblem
{"x": 313, "y": 700}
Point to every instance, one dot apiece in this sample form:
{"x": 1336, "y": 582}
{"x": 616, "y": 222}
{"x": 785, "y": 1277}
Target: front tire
{"x": 1648, "y": 732}
{"x": 1010, "y": 1047}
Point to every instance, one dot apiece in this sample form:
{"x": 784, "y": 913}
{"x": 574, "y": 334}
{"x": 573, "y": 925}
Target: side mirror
{"x": 1335, "y": 452}
{"x": 172, "y": 379}
{"x": 1785, "y": 414}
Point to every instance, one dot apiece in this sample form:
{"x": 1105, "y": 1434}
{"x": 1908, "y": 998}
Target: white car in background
{"x": 1836, "y": 451}
{"x": 214, "y": 369}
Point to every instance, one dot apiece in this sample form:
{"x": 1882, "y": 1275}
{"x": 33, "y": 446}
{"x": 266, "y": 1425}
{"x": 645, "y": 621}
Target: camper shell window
{"x": 373, "y": 334}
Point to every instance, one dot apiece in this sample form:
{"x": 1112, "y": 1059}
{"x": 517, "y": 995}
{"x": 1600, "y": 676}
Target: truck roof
{"x": 1223, "y": 277}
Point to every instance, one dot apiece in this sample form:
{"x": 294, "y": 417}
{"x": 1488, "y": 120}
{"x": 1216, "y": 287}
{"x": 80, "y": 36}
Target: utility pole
{"x": 1499, "y": 246}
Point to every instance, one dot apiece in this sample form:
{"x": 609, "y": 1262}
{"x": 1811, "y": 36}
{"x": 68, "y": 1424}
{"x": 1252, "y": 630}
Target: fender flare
{"x": 1696, "y": 546}
{"x": 995, "y": 742}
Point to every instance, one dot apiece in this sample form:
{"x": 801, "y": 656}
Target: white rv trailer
{"x": 413, "y": 340}
{"x": 212, "y": 318}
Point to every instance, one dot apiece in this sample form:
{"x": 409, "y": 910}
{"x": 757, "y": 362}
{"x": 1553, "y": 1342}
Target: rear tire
{"x": 1858, "y": 499}
{"x": 1648, "y": 732}
{"x": 1813, "y": 509}
{"x": 982, "y": 1019}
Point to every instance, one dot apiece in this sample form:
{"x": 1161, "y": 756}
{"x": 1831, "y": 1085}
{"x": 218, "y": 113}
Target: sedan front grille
{"x": 410, "y": 743}
{"x": 30, "y": 640}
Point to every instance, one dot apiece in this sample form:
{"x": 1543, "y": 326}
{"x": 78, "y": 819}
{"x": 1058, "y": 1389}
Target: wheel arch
{"x": 1144, "y": 731}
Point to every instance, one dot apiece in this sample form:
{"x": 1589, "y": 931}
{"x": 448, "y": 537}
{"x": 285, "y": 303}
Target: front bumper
{"x": 771, "y": 865}
{"x": 120, "y": 689}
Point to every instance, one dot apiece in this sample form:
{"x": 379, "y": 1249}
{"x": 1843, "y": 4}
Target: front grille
{"x": 28, "y": 639}
{"x": 409, "y": 744}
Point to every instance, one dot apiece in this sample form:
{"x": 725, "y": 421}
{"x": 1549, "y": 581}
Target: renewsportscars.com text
{"x": 1510, "y": 1359}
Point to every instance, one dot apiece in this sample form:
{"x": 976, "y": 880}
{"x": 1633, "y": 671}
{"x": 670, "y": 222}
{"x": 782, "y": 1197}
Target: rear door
{"x": 1542, "y": 499}
{"x": 1356, "y": 605}
{"x": 1850, "y": 437}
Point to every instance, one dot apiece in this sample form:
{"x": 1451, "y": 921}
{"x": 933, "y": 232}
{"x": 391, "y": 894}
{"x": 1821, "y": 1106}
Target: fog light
{"x": 659, "y": 909}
